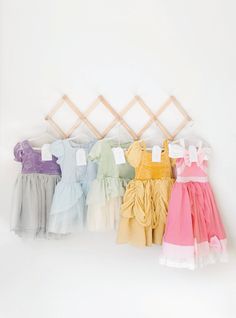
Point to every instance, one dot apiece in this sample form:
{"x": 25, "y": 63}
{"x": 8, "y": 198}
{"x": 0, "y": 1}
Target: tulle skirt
{"x": 194, "y": 233}
{"x": 68, "y": 211}
{"x": 103, "y": 203}
{"x": 32, "y": 199}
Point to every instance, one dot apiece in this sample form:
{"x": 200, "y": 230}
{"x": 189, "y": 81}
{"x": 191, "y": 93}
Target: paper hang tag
{"x": 46, "y": 154}
{"x": 81, "y": 157}
{"x": 119, "y": 155}
{"x": 199, "y": 144}
{"x": 207, "y": 153}
{"x": 192, "y": 153}
{"x": 175, "y": 151}
{"x": 182, "y": 142}
{"x": 156, "y": 153}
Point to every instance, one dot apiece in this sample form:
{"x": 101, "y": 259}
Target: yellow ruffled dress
{"x": 145, "y": 203}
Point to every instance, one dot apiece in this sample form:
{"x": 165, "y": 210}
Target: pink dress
{"x": 194, "y": 233}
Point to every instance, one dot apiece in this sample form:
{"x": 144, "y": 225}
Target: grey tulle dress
{"x": 33, "y": 191}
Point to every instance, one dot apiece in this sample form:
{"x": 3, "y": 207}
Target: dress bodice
{"x": 32, "y": 162}
{"x": 191, "y": 163}
{"x": 145, "y": 169}
{"x": 103, "y": 155}
{"x": 65, "y": 151}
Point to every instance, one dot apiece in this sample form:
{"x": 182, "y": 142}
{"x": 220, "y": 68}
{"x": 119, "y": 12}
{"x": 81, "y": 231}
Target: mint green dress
{"x": 106, "y": 191}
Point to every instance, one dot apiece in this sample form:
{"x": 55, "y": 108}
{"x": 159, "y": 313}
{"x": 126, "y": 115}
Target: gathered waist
{"x": 151, "y": 180}
{"x": 37, "y": 174}
{"x": 192, "y": 179}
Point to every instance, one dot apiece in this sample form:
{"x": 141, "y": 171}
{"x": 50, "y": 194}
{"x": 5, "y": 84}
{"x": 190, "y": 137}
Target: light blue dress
{"x": 68, "y": 210}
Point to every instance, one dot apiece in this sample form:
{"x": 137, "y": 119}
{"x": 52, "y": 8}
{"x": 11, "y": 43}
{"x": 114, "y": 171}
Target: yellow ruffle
{"x": 144, "y": 211}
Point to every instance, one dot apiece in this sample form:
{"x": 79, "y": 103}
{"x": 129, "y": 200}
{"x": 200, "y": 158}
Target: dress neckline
{"x": 78, "y": 145}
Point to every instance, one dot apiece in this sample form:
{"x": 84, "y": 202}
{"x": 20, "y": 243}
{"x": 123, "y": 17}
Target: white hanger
{"x": 117, "y": 137}
{"x": 149, "y": 137}
{"x": 46, "y": 132}
{"x": 188, "y": 136}
{"x": 84, "y": 137}
{"x": 43, "y": 134}
{"x": 81, "y": 134}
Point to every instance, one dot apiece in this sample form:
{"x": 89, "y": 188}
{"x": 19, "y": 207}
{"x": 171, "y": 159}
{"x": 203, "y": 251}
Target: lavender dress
{"x": 33, "y": 192}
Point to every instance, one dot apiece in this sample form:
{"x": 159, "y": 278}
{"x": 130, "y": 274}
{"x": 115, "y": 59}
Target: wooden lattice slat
{"x": 118, "y": 117}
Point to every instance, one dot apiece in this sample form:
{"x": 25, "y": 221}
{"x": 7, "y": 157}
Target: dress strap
{"x": 165, "y": 147}
{"x": 165, "y": 144}
{"x": 142, "y": 144}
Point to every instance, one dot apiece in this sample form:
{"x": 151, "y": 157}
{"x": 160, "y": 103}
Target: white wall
{"x": 117, "y": 48}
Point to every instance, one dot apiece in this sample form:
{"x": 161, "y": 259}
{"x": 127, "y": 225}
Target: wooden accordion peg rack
{"x": 118, "y": 117}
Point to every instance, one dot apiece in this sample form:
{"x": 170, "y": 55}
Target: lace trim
{"x": 194, "y": 256}
{"x": 192, "y": 179}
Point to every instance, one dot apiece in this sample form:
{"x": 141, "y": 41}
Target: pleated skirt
{"x": 195, "y": 234}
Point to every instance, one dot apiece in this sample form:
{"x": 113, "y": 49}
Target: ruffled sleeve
{"x": 134, "y": 154}
{"x": 57, "y": 148}
{"x": 18, "y": 152}
{"x": 95, "y": 152}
